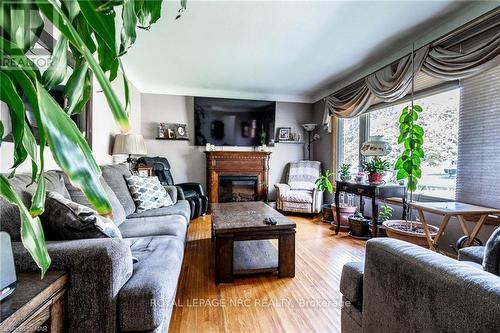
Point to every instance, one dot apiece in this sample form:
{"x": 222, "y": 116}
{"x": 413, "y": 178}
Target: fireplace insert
{"x": 238, "y": 188}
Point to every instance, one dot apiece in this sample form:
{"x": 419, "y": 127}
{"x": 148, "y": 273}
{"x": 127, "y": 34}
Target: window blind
{"x": 479, "y": 140}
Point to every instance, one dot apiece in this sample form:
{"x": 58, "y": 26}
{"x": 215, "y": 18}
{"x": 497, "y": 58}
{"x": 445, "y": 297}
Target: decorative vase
{"x": 409, "y": 231}
{"x": 375, "y": 178}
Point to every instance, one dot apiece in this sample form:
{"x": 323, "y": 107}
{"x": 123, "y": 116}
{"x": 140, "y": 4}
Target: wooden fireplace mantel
{"x": 237, "y": 163}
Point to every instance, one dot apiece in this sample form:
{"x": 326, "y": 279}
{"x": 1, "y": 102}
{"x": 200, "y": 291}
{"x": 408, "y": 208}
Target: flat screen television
{"x": 233, "y": 122}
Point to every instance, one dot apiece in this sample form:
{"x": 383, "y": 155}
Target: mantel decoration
{"x": 172, "y": 131}
{"x": 87, "y": 35}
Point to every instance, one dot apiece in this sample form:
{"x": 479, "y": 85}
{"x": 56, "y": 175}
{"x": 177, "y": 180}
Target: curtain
{"x": 452, "y": 65}
{"x": 442, "y": 61}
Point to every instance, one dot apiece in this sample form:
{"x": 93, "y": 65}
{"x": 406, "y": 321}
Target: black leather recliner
{"x": 193, "y": 192}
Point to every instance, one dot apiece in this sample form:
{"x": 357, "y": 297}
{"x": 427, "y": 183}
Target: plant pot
{"x": 375, "y": 178}
{"x": 400, "y": 229}
{"x": 345, "y": 178}
{"x": 345, "y": 212}
{"x": 359, "y": 227}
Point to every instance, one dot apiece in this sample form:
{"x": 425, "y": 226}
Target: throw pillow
{"x": 77, "y": 196}
{"x": 491, "y": 262}
{"x": 148, "y": 193}
{"x": 64, "y": 219}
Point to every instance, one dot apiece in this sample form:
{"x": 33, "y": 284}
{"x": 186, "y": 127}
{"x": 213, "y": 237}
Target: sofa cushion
{"x": 77, "y": 196}
{"x": 148, "y": 193}
{"x": 491, "y": 261}
{"x": 181, "y": 208}
{"x": 11, "y": 221}
{"x": 146, "y": 301}
{"x": 172, "y": 225}
{"x": 115, "y": 175}
{"x": 297, "y": 196}
{"x": 351, "y": 282}
{"x": 472, "y": 253}
{"x": 64, "y": 219}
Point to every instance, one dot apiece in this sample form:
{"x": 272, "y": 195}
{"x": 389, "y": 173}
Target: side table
{"x": 374, "y": 192}
{"x": 36, "y": 305}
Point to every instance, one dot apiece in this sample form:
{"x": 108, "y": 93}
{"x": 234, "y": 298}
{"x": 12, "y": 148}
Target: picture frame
{"x": 181, "y": 131}
{"x": 284, "y": 133}
{"x": 172, "y": 131}
{"x": 144, "y": 171}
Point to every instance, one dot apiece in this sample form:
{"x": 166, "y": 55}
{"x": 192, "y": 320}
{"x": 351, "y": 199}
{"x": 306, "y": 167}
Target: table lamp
{"x": 129, "y": 144}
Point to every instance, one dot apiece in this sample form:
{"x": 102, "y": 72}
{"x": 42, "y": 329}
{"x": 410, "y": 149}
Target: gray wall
{"x": 188, "y": 160}
{"x": 322, "y": 150}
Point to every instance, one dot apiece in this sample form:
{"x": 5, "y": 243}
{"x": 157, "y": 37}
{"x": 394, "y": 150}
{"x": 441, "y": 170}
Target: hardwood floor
{"x": 310, "y": 302}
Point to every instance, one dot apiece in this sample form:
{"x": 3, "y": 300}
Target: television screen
{"x": 233, "y": 122}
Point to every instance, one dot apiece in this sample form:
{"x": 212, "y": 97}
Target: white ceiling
{"x": 286, "y": 51}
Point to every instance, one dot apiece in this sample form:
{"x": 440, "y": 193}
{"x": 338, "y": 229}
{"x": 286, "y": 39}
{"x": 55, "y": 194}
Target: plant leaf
{"x": 148, "y": 12}
{"x": 58, "y": 67}
{"x": 70, "y": 8}
{"x": 31, "y": 229}
{"x": 9, "y": 95}
{"x": 77, "y": 89}
{"x": 129, "y": 21}
{"x": 71, "y": 151}
{"x": 1, "y": 133}
{"x": 51, "y": 10}
{"x": 21, "y": 23}
{"x": 103, "y": 24}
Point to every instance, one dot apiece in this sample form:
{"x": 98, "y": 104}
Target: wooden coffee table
{"x": 242, "y": 243}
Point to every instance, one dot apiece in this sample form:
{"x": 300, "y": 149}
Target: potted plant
{"x": 323, "y": 182}
{"x": 384, "y": 214}
{"x": 345, "y": 173}
{"x": 376, "y": 169}
{"x": 408, "y": 167}
{"x": 359, "y": 226}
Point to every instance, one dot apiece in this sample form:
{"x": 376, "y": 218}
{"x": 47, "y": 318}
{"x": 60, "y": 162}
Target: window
{"x": 349, "y": 143}
{"x": 440, "y": 122}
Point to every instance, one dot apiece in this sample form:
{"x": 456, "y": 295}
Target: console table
{"x": 36, "y": 305}
{"x": 374, "y": 192}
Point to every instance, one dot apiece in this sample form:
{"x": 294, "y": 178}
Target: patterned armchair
{"x": 299, "y": 193}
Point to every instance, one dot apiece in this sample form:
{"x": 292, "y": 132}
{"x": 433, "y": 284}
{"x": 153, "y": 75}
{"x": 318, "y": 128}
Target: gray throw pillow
{"x": 77, "y": 196}
{"x": 148, "y": 193}
{"x": 491, "y": 262}
{"x": 64, "y": 219}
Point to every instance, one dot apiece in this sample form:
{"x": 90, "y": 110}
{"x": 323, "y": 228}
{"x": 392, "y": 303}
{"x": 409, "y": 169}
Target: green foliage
{"x": 323, "y": 183}
{"x": 87, "y": 32}
{"x": 412, "y": 138}
{"x": 345, "y": 170}
{"x": 385, "y": 213}
{"x": 376, "y": 165}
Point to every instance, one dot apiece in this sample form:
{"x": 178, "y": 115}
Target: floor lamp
{"x": 310, "y": 129}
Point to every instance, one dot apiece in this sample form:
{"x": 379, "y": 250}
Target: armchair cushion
{"x": 491, "y": 261}
{"x": 351, "y": 282}
{"x": 297, "y": 196}
{"x": 303, "y": 174}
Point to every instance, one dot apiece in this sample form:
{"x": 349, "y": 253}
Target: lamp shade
{"x": 376, "y": 146}
{"x": 309, "y": 127}
{"x": 129, "y": 144}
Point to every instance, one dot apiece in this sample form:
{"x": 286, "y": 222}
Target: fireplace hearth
{"x": 237, "y": 176}
{"x": 238, "y": 188}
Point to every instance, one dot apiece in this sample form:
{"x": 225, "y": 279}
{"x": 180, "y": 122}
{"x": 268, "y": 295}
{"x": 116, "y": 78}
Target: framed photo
{"x": 284, "y": 134}
{"x": 144, "y": 171}
{"x": 180, "y": 131}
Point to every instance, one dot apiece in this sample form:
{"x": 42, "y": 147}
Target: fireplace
{"x": 237, "y": 175}
{"x": 238, "y": 188}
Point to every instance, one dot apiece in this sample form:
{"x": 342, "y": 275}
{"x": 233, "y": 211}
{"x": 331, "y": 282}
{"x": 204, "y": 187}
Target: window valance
{"x": 472, "y": 51}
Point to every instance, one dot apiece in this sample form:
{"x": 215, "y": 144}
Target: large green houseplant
{"x": 408, "y": 166}
{"x": 87, "y": 33}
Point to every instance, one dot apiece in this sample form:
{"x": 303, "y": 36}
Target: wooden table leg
{"x": 337, "y": 212}
{"x": 223, "y": 259}
{"x": 463, "y": 224}
{"x": 443, "y": 225}
{"x": 426, "y": 230}
{"x": 374, "y": 217}
{"x": 476, "y": 229}
{"x": 286, "y": 255}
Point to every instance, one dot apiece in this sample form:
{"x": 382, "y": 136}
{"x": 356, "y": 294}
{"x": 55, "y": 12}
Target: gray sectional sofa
{"x": 117, "y": 285}
{"x": 402, "y": 287}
